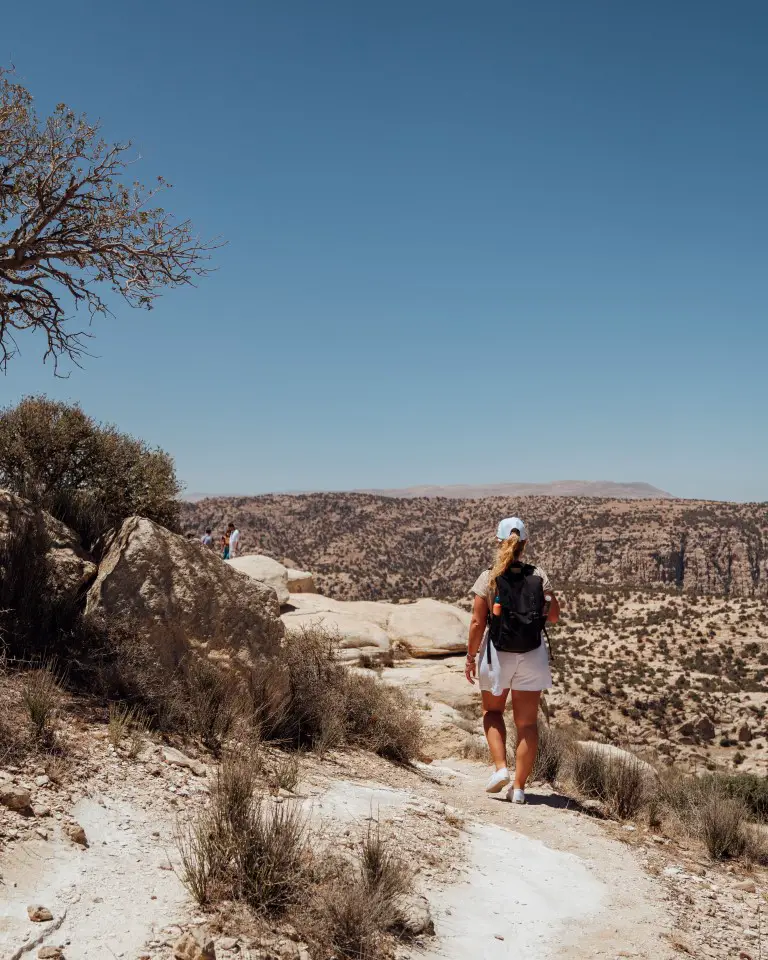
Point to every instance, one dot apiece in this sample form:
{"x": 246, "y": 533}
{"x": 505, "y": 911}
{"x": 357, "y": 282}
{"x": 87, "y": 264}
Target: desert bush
{"x": 750, "y": 788}
{"x": 617, "y": 782}
{"x": 87, "y": 474}
{"x": 554, "y": 749}
{"x": 721, "y": 823}
{"x": 243, "y": 848}
{"x": 40, "y": 696}
{"x": 127, "y": 723}
{"x": 285, "y": 771}
{"x": 210, "y": 700}
{"x": 306, "y": 699}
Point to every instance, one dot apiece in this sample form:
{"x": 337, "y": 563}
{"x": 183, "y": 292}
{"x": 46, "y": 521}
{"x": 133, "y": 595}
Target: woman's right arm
{"x": 476, "y": 631}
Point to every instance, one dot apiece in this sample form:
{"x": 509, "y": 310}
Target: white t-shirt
{"x": 234, "y": 543}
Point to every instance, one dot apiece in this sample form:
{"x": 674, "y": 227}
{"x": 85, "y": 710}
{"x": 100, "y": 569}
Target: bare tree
{"x": 72, "y": 228}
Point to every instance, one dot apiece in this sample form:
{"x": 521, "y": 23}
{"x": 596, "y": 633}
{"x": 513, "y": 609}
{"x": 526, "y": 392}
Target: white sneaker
{"x": 498, "y": 781}
{"x": 516, "y": 795}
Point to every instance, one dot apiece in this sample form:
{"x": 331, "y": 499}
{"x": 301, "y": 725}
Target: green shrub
{"x": 87, "y": 474}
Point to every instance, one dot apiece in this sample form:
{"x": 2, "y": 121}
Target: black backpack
{"x": 518, "y": 628}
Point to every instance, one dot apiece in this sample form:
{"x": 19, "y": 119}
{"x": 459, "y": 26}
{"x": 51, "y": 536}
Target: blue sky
{"x": 467, "y": 242}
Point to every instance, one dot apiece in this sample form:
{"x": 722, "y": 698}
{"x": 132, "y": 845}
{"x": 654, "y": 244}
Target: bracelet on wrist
{"x": 471, "y": 656}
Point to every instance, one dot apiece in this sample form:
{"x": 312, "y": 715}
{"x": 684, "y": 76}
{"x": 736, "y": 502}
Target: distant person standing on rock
{"x": 513, "y": 601}
{"x": 234, "y": 541}
{"x": 207, "y": 538}
{"x": 224, "y": 545}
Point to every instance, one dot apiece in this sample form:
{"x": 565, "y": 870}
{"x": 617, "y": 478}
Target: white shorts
{"x": 513, "y": 671}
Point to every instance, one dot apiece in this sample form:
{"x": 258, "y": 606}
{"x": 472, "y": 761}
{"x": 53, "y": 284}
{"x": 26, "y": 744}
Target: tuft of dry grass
{"x": 555, "y": 748}
{"x": 243, "y": 847}
{"x": 618, "y": 782}
{"x": 127, "y": 723}
{"x": 40, "y": 696}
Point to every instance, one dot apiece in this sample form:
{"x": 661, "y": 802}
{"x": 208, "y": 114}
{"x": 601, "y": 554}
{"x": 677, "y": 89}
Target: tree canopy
{"x": 73, "y": 229}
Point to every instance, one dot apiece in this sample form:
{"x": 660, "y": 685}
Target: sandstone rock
{"x": 748, "y": 886}
{"x": 177, "y": 759}
{"x": 356, "y": 632}
{"x": 183, "y": 600}
{"x": 15, "y": 798}
{"x": 705, "y": 728}
{"x": 616, "y": 753}
{"x": 413, "y": 916}
{"x": 745, "y": 733}
{"x": 193, "y": 946}
{"x": 686, "y": 729}
{"x": 265, "y": 570}
{"x": 40, "y": 810}
{"x": 429, "y": 628}
{"x": 77, "y": 834}
{"x": 38, "y": 913}
{"x": 50, "y": 953}
{"x": 43, "y": 780}
{"x": 70, "y": 567}
{"x": 300, "y": 581}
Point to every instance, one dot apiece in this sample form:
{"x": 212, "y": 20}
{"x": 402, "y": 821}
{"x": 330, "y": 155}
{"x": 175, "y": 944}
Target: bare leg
{"x": 495, "y": 728}
{"x": 525, "y": 709}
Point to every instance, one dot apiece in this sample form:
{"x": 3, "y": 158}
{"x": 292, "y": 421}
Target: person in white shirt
{"x": 234, "y": 541}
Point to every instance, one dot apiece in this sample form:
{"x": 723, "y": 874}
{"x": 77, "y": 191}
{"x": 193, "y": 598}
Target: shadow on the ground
{"x": 558, "y": 801}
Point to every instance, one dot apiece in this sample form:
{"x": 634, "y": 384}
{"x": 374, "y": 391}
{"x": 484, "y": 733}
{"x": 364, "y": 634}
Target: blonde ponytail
{"x": 510, "y": 550}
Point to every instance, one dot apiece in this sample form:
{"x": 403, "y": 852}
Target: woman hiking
{"x": 513, "y": 600}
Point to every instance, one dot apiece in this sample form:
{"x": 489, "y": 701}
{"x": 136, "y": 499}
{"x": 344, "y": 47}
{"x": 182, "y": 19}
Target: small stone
{"x": 412, "y": 916}
{"x": 43, "y": 834}
{"x": 50, "y": 953}
{"x": 38, "y": 913}
{"x": 748, "y": 886}
{"x": 15, "y": 798}
{"x": 191, "y": 946}
{"x": 41, "y": 811}
{"x": 228, "y": 943}
{"x": 177, "y": 759}
{"x": 43, "y": 780}
{"x": 498, "y": 936}
{"x": 77, "y": 834}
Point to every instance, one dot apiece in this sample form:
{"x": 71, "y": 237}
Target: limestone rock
{"x": 356, "y": 632}
{"x": 705, "y": 728}
{"x": 183, "y": 600}
{"x": 413, "y": 916}
{"x": 300, "y": 581}
{"x": 15, "y": 798}
{"x": 265, "y": 570}
{"x": 177, "y": 759}
{"x": 70, "y": 567}
{"x": 77, "y": 834}
{"x": 429, "y": 628}
{"x": 38, "y": 913}
{"x": 50, "y": 953}
{"x": 193, "y": 946}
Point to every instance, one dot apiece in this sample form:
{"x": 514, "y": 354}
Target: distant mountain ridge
{"x": 636, "y": 490}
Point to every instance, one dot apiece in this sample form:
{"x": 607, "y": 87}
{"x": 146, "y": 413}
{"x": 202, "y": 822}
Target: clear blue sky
{"x": 467, "y": 242}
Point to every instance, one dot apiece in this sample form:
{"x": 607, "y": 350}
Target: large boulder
{"x": 429, "y": 628}
{"x": 71, "y": 569}
{"x": 357, "y": 634}
{"x": 183, "y": 599}
{"x": 424, "y": 628}
{"x": 265, "y": 570}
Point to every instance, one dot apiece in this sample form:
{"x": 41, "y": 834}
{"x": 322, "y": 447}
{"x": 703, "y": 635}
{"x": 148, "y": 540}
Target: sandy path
{"x": 536, "y": 881}
{"x": 113, "y": 896}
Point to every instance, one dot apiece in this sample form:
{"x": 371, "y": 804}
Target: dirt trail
{"x": 541, "y": 881}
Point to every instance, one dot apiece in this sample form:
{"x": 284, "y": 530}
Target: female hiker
{"x": 510, "y": 654}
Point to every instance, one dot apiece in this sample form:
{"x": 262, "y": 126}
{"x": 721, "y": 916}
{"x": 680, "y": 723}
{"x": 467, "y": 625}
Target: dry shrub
{"x": 361, "y": 905}
{"x": 307, "y": 699}
{"x": 243, "y": 847}
{"x": 618, "y": 782}
{"x": 40, "y": 696}
{"x": 127, "y": 723}
{"x": 555, "y": 747}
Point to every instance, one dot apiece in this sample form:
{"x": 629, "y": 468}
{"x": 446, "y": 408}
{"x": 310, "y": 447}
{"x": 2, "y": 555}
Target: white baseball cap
{"x": 508, "y": 526}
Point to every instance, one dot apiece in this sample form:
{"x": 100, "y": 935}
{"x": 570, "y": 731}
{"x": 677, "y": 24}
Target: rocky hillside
{"x": 363, "y": 546}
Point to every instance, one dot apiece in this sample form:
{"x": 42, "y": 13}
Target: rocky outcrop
{"x": 70, "y": 568}
{"x": 183, "y": 600}
{"x": 300, "y": 581}
{"x": 265, "y": 570}
{"x": 425, "y": 628}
